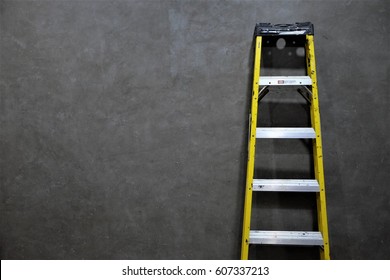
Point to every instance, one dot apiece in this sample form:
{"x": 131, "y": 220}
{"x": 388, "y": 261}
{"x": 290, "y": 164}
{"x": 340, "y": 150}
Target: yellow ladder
{"x": 308, "y": 88}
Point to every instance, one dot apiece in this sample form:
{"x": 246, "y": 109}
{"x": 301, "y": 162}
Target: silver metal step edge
{"x": 306, "y": 238}
{"x": 286, "y": 185}
{"x": 285, "y": 81}
{"x": 285, "y": 132}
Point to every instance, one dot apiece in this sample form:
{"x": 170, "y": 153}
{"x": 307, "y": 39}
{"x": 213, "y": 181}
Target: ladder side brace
{"x": 251, "y": 151}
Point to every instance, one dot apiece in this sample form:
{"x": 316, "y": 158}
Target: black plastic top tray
{"x": 299, "y": 28}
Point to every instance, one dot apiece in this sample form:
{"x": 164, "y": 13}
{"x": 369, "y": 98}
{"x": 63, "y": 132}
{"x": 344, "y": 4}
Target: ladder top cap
{"x": 299, "y": 28}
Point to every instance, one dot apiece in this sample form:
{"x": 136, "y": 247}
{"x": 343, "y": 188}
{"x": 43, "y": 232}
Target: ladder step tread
{"x": 285, "y": 81}
{"x": 306, "y": 238}
{"x": 285, "y": 132}
{"x": 286, "y": 185}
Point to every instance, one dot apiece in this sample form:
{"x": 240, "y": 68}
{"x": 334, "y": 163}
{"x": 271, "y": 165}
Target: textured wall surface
{"x": 123, "y": 128}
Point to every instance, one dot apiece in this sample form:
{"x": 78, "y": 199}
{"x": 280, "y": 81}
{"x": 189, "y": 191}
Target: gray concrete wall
{"x": 123, "y": 128}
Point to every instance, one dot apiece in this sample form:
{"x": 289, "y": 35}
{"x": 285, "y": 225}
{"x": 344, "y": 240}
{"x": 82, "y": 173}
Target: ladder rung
{"x": 285, "y": 185}
{"x": 285, "y": 81}
{"x": 307, "y": 238}
{"x": 285, "y": 132}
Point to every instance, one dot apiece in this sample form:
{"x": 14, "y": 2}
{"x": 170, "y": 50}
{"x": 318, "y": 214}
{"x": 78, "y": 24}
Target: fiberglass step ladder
{"x": 308, "y": 89}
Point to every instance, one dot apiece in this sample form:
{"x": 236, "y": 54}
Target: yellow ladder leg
{"x": 317, "y": 148}
{"x": 251, "y": 152}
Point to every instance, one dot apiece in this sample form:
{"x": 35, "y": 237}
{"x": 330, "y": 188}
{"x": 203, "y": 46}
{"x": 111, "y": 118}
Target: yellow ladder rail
{"x": 251, "y": 152}
{"x": 317, "y": 147}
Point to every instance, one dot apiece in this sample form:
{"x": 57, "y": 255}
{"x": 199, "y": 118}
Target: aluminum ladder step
{"x": 285, "y": 185}
{"x": 285, "y": 81}
{"x": 285, "y": 132}
{"x": 305, "y": 238}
